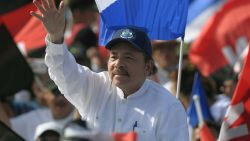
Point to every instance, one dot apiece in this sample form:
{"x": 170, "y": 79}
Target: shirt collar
{"x": 138, "y": 93}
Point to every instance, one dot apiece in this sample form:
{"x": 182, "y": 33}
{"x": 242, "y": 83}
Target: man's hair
{"x": 49, "y": 132}
{"x": 158, "y": 44}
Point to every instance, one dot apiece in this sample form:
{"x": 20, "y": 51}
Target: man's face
{"x": 165, "y": 57}
{"x": 127, "y": 67}
{"x": 229, "y": 87}
{"x": 60, "y": 107}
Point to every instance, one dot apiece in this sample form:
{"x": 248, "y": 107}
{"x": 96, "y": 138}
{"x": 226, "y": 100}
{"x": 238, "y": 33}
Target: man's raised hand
{"x": 53, "y": 19}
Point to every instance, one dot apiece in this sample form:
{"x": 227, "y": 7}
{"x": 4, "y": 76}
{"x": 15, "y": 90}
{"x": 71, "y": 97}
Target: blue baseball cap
{"x": 135, "y": 36}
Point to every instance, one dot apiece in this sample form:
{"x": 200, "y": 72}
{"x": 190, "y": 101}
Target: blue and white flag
{"x": 196, "y": 7}
{"x": 192, "y": 114}
{"x": 161, "y": 19}
{"x": 199, "y": 12}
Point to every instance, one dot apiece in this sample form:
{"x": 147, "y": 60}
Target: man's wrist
{"x": 56, "y": 39}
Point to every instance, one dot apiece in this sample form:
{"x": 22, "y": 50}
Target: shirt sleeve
{"x": 173, "y": 126}
{"x": 78, "y": 83}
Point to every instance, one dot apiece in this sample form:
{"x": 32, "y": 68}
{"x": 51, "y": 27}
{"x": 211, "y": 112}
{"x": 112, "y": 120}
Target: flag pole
{"x": 198, "y": 110}
{"x": 180, "y": 69}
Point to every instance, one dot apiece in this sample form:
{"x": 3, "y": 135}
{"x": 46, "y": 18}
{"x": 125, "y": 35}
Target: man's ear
{"x": 149, "y": 67}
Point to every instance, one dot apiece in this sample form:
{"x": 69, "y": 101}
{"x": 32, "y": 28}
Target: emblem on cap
{"x": 127, "y": 34}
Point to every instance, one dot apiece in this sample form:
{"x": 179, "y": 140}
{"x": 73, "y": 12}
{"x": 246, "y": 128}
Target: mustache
{"x": 120, "y": 71}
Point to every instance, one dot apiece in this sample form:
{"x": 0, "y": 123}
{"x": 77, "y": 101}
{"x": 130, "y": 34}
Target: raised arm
{"x": 79, "y": 84}
{"x": 53, "y": 19}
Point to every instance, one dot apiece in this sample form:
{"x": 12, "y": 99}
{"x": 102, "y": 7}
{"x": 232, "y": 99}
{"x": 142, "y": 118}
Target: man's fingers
{"x": 45, "y": 4}
{"x": 61, "y": 8}
{"x": 39, "y": 17}
{"x": 38, "y": 5}
{"x": 52, "y": 4}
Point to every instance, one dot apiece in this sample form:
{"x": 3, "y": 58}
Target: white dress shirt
{"x": 152, "y": 111}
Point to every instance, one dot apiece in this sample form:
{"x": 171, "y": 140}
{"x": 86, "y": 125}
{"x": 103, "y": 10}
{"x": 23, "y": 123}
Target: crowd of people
{"x": 69, "y": 102}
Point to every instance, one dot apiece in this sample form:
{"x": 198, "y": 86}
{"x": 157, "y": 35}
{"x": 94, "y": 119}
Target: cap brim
{"x": 113, "y": 42}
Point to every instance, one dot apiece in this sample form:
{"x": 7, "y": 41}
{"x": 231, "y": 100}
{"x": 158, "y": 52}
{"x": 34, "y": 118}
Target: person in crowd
{"x": 85, "y": 50}
{"x": 84, "y": 44}
{"x": 59, "y": 110}
{"x": 187, "y": 77}
{"x": 166, "y": 59}
{"x": 222, "y": 101}
{"x": 49, "y": 131}
{"x": 78, "y": 130}
{"x": 218, "y": 104}
{"x": 106, "y": 99}
{"x": 84, "y": 12}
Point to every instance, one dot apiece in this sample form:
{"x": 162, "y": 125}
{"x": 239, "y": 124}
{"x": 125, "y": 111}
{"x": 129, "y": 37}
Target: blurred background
{"x": 216, "y": 45}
